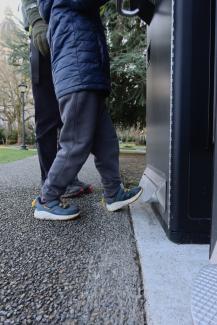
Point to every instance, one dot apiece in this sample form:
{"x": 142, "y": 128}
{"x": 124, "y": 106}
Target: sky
{"x": 13, "y": 4}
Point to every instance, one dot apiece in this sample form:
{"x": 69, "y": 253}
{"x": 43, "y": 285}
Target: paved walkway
{"x": 80, "y": 272}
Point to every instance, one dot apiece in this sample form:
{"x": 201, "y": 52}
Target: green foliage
{"x": 15, "y": 40}
{"x": 19, "y": 55}
{"x": 14, "y": 69}
{"x": 127, "y": 41}
{"x": 30, "y": 135}
{"x": 131, "y": 135}
{"x": 12, "y": 137}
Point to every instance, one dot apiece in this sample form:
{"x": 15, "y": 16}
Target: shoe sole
{"x": 119, "y": 205}
{"x": 42, "y": 215}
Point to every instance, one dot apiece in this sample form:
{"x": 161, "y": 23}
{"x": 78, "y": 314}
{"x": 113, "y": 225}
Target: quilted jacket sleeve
{"x": 31, "y": 10}
{"x": 45, "y": 8}
{"x": 85, "y": 5}
{"x": 77, "y": 5}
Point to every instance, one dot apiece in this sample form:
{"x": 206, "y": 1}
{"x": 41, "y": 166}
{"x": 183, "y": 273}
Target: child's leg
{"x": 87, "y": 127}
{"x": 79, "y": 113}
{"x": 106, "y": 151}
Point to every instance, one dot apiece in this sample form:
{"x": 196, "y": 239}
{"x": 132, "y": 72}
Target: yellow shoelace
{"x": 34, "y": 203}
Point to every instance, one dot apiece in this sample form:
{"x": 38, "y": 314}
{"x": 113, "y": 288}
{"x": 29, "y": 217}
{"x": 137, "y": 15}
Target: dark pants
{"x": 87, "y": 127}
{"x": 47, "y": 116}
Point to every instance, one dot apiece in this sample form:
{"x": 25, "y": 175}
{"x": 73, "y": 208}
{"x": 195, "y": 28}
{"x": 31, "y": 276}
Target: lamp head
{"x": 22, "y": 87}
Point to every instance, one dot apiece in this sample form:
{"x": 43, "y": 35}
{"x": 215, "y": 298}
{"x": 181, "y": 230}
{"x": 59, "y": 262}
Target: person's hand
{"x": 39, "y": 37}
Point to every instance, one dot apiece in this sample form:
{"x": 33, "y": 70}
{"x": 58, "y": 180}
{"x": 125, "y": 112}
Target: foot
{"x": 123, "y": 198}
{"x": 54, "y": 210}
{"x": 76, "y": 189}
{"x": 72, "y": 191}
{"x": 87, "y": 188}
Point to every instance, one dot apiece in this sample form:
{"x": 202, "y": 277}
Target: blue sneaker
{"x": 54, "y": 210}
{"x": 123, "y": 198}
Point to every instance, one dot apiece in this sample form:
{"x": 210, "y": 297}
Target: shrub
{"x": 141, "y": 140}
{"x": 30, "y": 137}
{"x": 12, "y": 137}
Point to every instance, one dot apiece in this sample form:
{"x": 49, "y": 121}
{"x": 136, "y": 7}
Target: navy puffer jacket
{"x": 79, "y": 54}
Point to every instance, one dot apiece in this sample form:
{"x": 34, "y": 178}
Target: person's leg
{"x": 77, "y": 188}
{"x": 47, "y": 117}
{"x": 79, "y": 115}
{"x": 47, "y": 149}
{"x": 48, "y": 121}
{"x": 84, "y": 120}
{"x": 106, "y": 151}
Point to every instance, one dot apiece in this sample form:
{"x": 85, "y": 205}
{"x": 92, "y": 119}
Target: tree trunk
{"x": 9, "y": 131}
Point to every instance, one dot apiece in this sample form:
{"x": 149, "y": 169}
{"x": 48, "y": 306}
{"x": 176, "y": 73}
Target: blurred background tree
{"x": 15, "y": 44}
{"x": 14, "y": 69}
{"x": 127, "y": 42}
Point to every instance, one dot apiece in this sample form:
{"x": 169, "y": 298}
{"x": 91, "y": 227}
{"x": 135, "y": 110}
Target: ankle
{"x": 42, "y": 200}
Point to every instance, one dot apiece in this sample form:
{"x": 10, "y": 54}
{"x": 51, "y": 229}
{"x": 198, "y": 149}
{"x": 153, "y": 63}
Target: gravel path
{"x": 80, "y": 272}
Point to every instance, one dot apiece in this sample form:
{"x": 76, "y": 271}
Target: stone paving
{"x": 79, "y": 272}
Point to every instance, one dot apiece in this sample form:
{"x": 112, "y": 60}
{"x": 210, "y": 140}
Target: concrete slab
{"x": 168, "y": 269}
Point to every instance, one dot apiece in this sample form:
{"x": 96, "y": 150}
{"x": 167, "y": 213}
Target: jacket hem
{"x": 92, "y": 87}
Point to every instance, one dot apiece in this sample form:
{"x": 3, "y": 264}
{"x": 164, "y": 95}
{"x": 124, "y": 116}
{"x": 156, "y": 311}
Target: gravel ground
{"x": 132, "y": 168}
{"x": 81, "y": 272}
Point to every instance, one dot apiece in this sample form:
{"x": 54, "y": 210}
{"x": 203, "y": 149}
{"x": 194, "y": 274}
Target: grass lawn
{"x": 12, "y": 154}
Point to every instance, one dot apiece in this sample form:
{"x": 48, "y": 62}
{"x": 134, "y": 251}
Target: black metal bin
{"x": 178, "y": 177}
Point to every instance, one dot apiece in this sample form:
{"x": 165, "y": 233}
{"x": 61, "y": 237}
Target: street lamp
{"x": 23, "y": 88}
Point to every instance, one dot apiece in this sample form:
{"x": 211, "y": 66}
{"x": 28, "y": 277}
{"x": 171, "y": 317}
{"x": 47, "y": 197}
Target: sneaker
{"x": 123, "y": 198}
{"x": 76, "y": 189}
{"x": 72, "y": 191}
{"x": 54, "y": 210}
{"x": 87, "y": 188}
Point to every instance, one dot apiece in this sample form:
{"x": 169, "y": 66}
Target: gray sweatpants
{"x": 87, "y": 128}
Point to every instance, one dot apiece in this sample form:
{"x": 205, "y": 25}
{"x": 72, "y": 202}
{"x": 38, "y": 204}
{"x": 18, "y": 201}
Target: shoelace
{"x": 64, "y": 205}
{"x": 127, "y": 193}
{"x": 103, "y": 201}
{"x": 34, "y": 203}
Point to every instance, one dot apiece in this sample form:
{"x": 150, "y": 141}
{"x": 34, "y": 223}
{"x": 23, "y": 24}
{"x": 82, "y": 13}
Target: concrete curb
{"x": 168, "y": 269}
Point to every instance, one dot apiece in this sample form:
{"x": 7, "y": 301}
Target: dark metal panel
{"x": 192, "y": 150}
{"x": 187, "y": 218}
{"x": 214, "y": 213}
{"x": 158, "y": 89}
{"x": 214, "y": 207}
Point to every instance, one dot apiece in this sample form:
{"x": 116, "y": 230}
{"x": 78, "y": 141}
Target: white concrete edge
{"x": 168, "y": 269}
{"x": 213, "y": 259}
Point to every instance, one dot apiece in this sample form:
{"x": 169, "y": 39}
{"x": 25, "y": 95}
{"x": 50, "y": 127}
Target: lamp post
{"x": 23, "y": 88}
